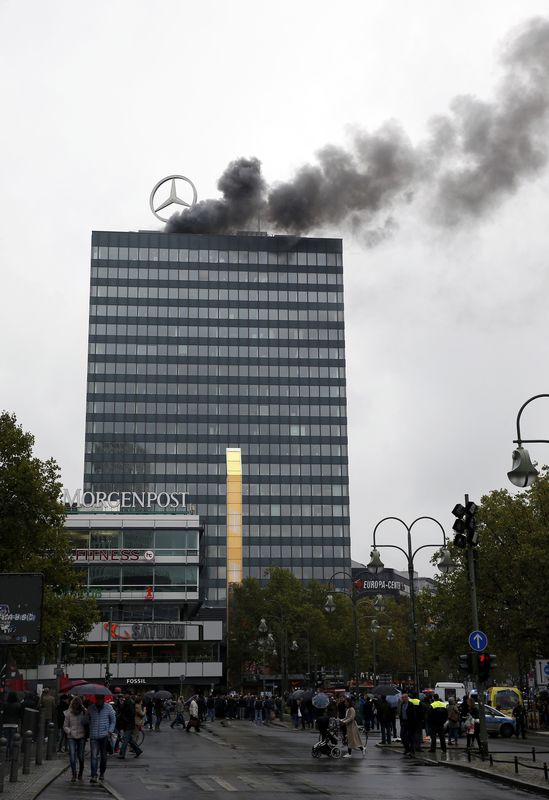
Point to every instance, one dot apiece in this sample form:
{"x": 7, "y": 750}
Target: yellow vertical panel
{"x": 234, "y": 515}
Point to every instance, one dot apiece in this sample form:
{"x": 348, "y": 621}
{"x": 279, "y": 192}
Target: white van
{"x": 448, "y": 689}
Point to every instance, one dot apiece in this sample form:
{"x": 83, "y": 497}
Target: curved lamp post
{"x": 330, "y": 607}
{"x": 445, "y": 565}
{"x": 523, "y": 472}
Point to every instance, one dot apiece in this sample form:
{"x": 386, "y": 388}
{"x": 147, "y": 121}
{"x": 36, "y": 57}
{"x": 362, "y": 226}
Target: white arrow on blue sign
{"x": 478, "y": 641}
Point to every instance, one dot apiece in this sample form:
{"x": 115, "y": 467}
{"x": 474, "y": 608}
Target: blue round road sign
{"x": 478, "y": 641}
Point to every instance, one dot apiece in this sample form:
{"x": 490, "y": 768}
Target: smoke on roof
{"x": 475, "y": 156}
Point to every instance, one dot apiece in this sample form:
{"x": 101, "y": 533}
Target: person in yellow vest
{"x": 418, "y": 723}
{"x": 437, "y": 717}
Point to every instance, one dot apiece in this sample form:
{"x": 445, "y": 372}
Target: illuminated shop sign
{"x": 120, "y": 500}
{"x": 112, "y": 554}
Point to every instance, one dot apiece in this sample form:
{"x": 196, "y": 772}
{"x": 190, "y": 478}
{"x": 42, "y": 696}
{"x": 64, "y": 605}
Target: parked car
{"x": 498, "y": 723}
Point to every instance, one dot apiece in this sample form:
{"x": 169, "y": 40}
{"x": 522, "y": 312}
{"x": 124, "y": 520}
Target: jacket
{"x": 11, "y": 713}
{"x": 353, "y": 734}
{"x": 76, "y": 725}
{"x": 437, "y": 715}
{"x": 102, "y": 721}
{"x": 410, "y": 714}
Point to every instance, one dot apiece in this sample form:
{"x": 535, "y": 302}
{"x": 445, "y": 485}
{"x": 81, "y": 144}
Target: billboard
{"x": 20, "y": 608}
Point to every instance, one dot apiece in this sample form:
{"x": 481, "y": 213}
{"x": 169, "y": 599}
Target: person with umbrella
{"x": 354, "y": 742}
{"x": 102, "y": 724}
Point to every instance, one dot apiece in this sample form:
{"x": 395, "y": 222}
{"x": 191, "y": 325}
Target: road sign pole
{"x": 474, "y": 615}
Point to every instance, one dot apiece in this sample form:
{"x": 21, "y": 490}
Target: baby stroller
{"x": 327, "y": 744}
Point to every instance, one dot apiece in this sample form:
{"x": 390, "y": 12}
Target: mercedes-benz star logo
{"x": 173, "y": 199}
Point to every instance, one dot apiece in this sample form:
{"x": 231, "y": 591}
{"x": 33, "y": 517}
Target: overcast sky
{"x": 446, "y": 331}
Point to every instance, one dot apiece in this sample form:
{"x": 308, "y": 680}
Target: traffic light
{"x": 465, "y": 526}
{"x": 483, "y": 667}
{"x": 493, "y": 662}
{"x": 466, "y": 663}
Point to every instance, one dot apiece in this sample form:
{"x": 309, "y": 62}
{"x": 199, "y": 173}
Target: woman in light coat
{"x": 76, "y": 727}
{"x": 354, "y": 742}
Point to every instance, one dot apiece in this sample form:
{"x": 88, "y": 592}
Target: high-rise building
{"x": 198, "y": 343}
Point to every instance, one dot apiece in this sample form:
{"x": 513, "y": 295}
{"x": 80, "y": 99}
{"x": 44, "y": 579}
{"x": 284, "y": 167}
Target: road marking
{"x": 224, "y": 784}
{"x": 201, "y": 783}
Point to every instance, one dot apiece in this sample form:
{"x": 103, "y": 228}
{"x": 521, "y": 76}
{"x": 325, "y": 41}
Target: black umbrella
{"x": 385, "y": 689}
{"x": 298, "y": 694}
{"x": 163, "y": 694}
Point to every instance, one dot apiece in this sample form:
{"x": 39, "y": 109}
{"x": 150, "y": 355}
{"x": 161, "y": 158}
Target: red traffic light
{"x": 359, "y": 584}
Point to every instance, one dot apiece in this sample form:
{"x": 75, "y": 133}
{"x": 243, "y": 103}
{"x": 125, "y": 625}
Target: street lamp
{"x": 330, "y": 607}
{"x": 523, "y": 472}
{"x": 376, "y": 565}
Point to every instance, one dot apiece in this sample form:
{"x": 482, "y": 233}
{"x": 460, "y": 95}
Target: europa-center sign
{"x": 121, "y": 500}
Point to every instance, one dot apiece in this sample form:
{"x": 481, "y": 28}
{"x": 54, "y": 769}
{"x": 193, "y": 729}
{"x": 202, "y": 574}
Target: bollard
{"x": 491, "y": 760}
{"x": 3, "y": 748}
{"x": 546, "y": 776}
{"x": 52, "y": 738}
{"x": 469, "y": 756}
{"x": 14, "y": 765}
{"x": 40, "y": 739}
{"x": 533, "y": 753}
{"x": 516, "y": 764}
{"x": 27, "y": 747}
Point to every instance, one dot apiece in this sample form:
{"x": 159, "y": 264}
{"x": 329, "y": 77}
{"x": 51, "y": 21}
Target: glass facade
{"x": 198, "y": 343}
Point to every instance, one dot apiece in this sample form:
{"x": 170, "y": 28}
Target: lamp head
{"x": 390, "y": 635}
{"x": 523, "y": 471}
{"x": 376, "y": 565}
{"x": 446, "y": 563}
{"x": 262, "y": 627}
{"x": 330, "y": 606}
{"x": 374, "y": 626}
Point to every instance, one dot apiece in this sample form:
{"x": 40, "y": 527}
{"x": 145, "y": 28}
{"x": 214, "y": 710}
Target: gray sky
{"x": 446, "y": 330}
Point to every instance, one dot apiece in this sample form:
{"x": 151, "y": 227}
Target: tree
{"x": 33, "y": 539}
{"x": 511, "y": 567}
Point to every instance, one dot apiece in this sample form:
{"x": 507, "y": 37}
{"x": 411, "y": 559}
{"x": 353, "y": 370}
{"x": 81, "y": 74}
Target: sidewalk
{"x": 530, "y": 775}
{"x": 29, "y": 786}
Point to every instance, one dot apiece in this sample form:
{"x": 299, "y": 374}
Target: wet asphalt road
{"x": 244, "y": 759}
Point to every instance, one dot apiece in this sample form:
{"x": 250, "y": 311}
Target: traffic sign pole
{"x": 474, "y": 615}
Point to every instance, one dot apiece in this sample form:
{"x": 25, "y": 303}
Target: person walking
{"x": 102, "y": 724}
{"x": 472, "y": 724}
{"x": 454, "y": 718}
{"x": 76, "y": 728}
{"x": 126, "y": 724}
{"x": 210, "y": 708}
{"x": 385, "y": 717}
{"x": 194, "y": 720}
{"x": 47, "y": 706}
{"x": 12, "y": 717}
{"x": 62, "y": 706}
{"x": 179, "y": 718}
{"x": 354, "y": 742}
{"x": 437, "y": 717}
{"x": 519, "y": 713}
{"x": 158, "y": 713}
{"x": 407, "y": 716}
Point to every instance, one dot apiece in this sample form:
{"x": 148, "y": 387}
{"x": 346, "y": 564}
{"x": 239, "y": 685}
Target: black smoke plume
{"x": 475, "y": 156}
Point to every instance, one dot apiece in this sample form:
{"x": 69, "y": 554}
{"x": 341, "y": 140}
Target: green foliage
{"x": 295, "y": 610}
{"x": 511, "y": 559}
{"x": 33, "y": 539}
